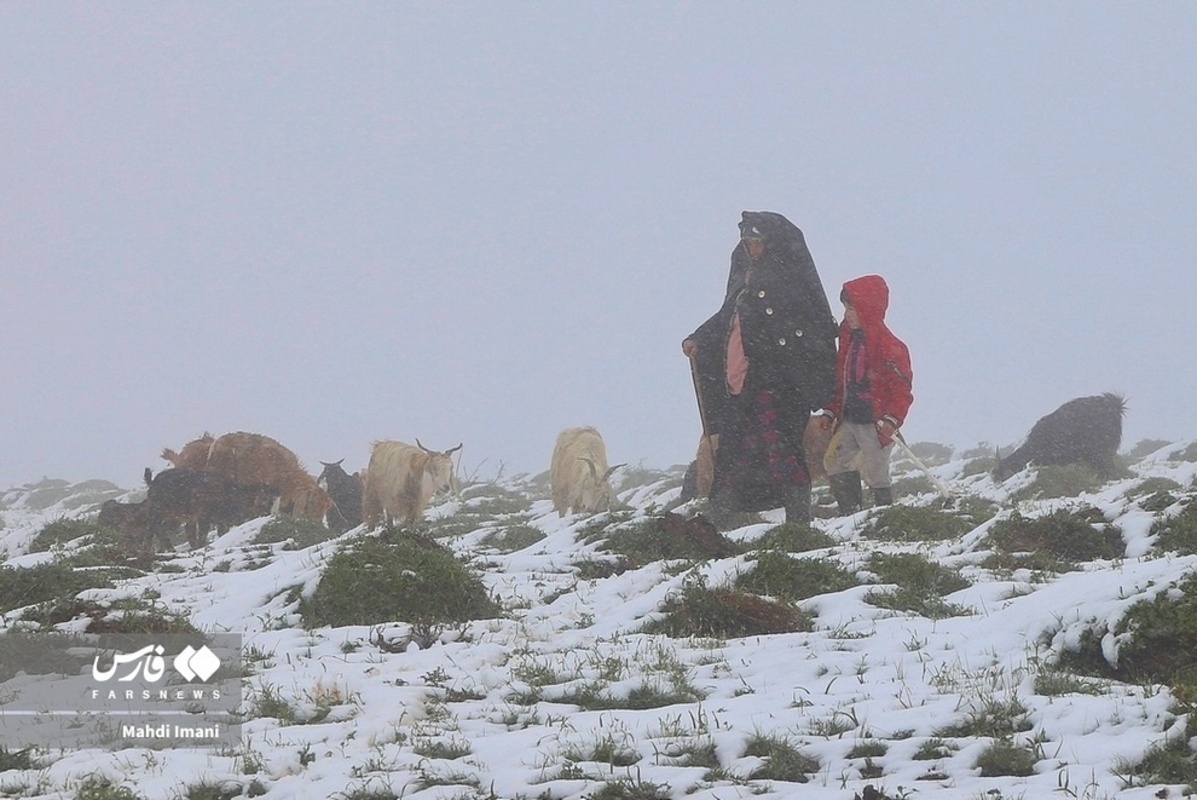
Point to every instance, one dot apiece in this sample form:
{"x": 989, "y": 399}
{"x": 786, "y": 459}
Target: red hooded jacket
{"x": 887, "y": 358}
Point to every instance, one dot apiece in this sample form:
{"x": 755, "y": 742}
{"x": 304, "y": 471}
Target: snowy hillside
{"x": 562, "y": 694}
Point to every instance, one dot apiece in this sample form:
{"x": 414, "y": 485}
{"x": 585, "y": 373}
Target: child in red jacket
{"x": 873, "y": 394}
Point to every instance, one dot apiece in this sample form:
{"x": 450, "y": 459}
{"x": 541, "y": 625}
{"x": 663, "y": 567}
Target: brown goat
{"x": 253, "y": 458}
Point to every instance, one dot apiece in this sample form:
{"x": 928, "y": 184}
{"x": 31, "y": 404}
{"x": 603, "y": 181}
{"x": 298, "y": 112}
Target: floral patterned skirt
{"x": 760, "y": 458}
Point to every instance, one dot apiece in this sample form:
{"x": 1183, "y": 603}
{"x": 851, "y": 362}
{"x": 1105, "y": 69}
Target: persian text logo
{"x": 149, "y": 663}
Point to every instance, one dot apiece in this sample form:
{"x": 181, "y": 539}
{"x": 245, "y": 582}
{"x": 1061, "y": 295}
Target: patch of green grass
{"x": 725, "y": 613}
{"x": 1177, "y": 534}
{"x": 607, "y": 750}
{"x": 1160, "y": 501}
{"x": 1186, "y": 454}
{"x": 916, "y": 602}
{"x": 55, "y": 582}
{"x": 132, "y": 615}
{"x": 990, "y": 716}
{"x": 16, "y": 760}
{"x": 591, "y": 569}
{"x": 692, "y": 753}
{"x": 491, "y": 500}
{"x": 98, "y": 787}
{"x": 900, "y": 523}
{"x": 1042, "y": 565}
{"x": 367, "y": 792}
{"x": 60, "y": 532}
{"x": 869, "y": 748}
{"x": 790, "y": 537}
{"x": 457, "y": 525}
{"x": 1154, "y": 485}
{"x": 512, "y": 538}
{"x": 776, "y": 574}
{"x": 1004, "y": 757}
{"x": 1171, "y": 761}
{"x": 209, "y": 789}
{"x": 1160, "y": 642}
{"x": 646, "y": 541}
{"x": 1069, "y": 480}
{"x": 298, "y": 532}
{"x": 921, "y": 585}
{"x": 1088, "y": 657}
{"x": 974, "y": 509}
{"x": 783, "y": 760}
{"x": 112, "y": 549}
{"x": 1055, "y": 681}
{"x": 1146, "y": 447}
{"x": 979, "y": 466}
{"x": 267, "y": 701}
{"x": 450, "y": 750}
{"x": 658, "y": 694}
{"x": 935, "y": 749}
{"x": 597, "y": 696}
{"x": 398, "y": 576}
{"x": 94, "y": 545}
{"x": 914, "y": 571}
{"x": 631, "y": 789}
{"x": 1064, "y": 534}
{"x": 597, "y": 526}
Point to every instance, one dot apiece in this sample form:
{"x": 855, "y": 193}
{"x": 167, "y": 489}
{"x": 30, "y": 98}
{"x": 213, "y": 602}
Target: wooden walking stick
{"x": 940, "y": 487}
{"x": 708, "y": 444}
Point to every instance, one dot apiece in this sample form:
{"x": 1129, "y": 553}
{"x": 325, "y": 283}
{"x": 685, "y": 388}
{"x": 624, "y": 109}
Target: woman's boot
{"x": 798, "y": 505}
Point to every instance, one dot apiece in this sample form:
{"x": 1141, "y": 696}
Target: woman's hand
{"x": 689, "y": 348}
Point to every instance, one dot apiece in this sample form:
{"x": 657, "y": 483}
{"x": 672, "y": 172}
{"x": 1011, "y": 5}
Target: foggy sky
{"x": 484, "y": 222}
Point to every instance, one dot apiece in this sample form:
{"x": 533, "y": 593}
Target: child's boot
{"x": 847, "y": 491}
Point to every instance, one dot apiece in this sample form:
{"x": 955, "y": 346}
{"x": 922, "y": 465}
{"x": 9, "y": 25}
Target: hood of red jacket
{"x": 869, "y": 295}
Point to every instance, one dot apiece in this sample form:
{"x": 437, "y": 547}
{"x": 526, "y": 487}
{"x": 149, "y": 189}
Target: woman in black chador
{"x": 764, "y": 362}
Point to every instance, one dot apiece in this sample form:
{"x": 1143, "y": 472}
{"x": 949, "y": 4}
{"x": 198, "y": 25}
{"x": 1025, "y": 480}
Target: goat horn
{"x": 593, "y": 469}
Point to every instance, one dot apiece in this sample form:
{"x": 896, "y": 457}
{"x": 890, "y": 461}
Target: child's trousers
{"x": 855, "y": 447}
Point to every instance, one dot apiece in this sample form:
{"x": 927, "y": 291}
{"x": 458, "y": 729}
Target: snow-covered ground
{"x": 864, "y": 675}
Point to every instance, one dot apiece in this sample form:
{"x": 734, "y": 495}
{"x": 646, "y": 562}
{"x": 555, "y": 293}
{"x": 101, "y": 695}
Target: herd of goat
{"x": 220, "y": 482}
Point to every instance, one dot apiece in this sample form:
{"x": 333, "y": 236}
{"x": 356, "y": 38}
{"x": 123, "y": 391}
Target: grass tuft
{"x": 299, "y": 533}
{"x": 778, "y": 575}
{"x": 1069, "y": 480}
{"x": 900, "y": 523}
{"x": 725, "y": 613}
{"x": 397, "y": 576}
{"x": 1055, "y": 541}
{"x": 790, "y": 537}
{"x": 783, "y": 760}
{"x": 1005, "y": 758}
{"x": 1177, "y": 534}
{"x": 512, "y": 538}
{"x": 920, "y": 585}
